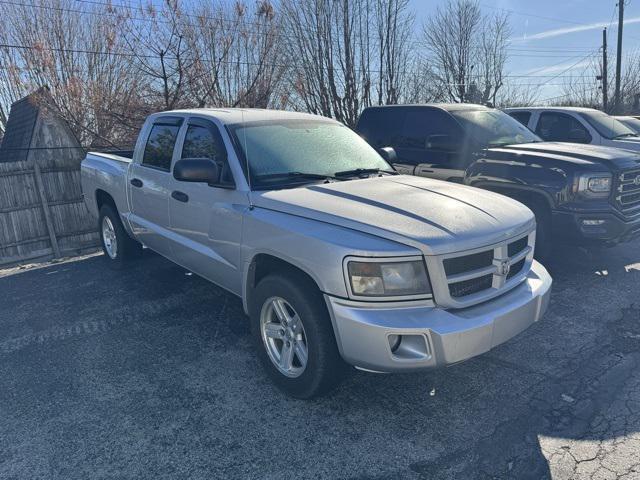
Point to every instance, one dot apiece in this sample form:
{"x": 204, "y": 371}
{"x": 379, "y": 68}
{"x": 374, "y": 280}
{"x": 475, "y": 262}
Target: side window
{"x": 522, "y": 117}
{"x": 420, "y": 124}
{"x": 204, "y": 141}
{"x": 560, "y": 127}
{"x": 380, "y": 127}
{"x": 159, "y": 148}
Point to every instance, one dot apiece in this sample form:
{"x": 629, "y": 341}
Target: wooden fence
{"x": 42, "y": 214}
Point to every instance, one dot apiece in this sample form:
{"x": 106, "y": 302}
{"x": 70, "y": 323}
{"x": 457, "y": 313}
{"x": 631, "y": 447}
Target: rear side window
{"x": 522, "y": 117}
{"x": 380, "y": 127}
{"x": 159, "y": 148}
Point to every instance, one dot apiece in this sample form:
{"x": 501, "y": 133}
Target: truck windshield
{"x": 291, "y": 152}
{"x": 632, "y": 123}
{"x": 607, "y": 126}
{"x": 493, "y": 128}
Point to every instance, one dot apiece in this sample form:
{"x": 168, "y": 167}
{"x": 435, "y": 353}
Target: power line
{"x": 129, "y": 8}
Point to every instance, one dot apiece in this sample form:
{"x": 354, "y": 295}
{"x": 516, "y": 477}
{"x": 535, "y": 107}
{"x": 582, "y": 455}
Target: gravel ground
{"x": 150, "y": 373}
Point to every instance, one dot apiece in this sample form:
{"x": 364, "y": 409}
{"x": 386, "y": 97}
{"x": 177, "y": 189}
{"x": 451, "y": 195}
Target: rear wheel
{"x": 118, "y": 247}
{"x": 294, "y": 336}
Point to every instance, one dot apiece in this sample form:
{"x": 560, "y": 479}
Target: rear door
{"x": 150, "y": 182}
{"x": 206, "y": 220}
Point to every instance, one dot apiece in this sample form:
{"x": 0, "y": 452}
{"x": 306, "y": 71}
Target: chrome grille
{"x": 627, "y": 194}
{"x": 476, "y": 276}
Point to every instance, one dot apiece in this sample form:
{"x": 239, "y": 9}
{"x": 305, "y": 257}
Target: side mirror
{"x": 389, "y": 154}
{"x": 578, "y": 135}
{"x": 444, "y": 143}
{"x": 197, "y": 170}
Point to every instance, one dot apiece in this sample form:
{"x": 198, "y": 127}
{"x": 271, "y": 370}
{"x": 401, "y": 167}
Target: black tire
{"x": 127, "y": 248}
{"x": 325, "y": 367}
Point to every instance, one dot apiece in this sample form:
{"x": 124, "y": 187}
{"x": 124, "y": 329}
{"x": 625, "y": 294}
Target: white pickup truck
{"x": 577, "y": 125}
{"x": 337, "y": 258}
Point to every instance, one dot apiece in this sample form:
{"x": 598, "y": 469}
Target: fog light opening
{"x": 394, "y": 342}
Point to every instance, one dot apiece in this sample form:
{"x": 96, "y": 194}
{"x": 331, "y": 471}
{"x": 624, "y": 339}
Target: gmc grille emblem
{"x": 636, "y": 181}
{"x": 504, "y": 268}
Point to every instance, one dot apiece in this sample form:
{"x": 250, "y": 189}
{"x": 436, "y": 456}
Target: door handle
{"x": 136, "y": 182}
{"x": 180, "y": 196}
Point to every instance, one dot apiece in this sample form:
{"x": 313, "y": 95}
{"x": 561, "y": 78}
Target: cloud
{"x": 557, "y": 32}
{"x": 550, "y": 70}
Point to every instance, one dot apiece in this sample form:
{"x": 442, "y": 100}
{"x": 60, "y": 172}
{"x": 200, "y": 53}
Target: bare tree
{"x": 346, "y": 54}
{"x": 467, "y": 51}
{"x": 155, "y": 36}
{"x": 237, "y": 59}
{"x": 77, "y": 55}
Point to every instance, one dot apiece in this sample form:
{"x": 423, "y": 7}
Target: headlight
{"x": 388, "y": 278}
{"x": 594, "y": 184}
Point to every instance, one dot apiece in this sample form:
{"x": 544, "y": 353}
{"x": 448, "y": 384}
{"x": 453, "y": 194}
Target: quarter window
{"x": 159, "y": 148}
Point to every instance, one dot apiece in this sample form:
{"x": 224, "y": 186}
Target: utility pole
{"x": 604, "y": 70}
{"x": 619, "y": 54}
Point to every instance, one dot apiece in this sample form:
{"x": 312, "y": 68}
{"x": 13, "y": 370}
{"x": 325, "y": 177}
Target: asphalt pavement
{"x": 150, "y": 373}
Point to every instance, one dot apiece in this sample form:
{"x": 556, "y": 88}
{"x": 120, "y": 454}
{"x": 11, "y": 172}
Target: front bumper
{"x": 613, "y": 229}
{"x": 432, "y": 336}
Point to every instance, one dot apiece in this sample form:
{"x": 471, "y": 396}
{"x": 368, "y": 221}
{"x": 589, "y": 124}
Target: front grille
{"x": 516, "y": 268}
{"x": 627, "y": 193}
{"x": 466, "y": 263}
{"x": 517, "y": 246}
{"x": 468, "y": 287}
{"x": 478, "y": 276}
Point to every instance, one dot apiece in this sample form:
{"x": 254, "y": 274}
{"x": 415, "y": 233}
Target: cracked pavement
{"x": 150, "y": 373}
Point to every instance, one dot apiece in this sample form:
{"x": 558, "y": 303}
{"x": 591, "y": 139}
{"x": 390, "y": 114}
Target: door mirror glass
{"x": 389, "y": 154}
{"x": 444, "y": 143}
{"x": 202, "y": 170}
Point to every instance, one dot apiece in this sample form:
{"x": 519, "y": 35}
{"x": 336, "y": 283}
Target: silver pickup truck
{"x": 337, "y": 258}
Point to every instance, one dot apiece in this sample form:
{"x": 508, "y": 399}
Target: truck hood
{"x": 434, "y": 216}
{"x": 614, "y": 158}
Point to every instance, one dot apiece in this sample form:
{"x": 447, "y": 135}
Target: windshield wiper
{"x": 362, "y": 171}
{"x": 288, "y": 175}
{"x": 622, "y": 135}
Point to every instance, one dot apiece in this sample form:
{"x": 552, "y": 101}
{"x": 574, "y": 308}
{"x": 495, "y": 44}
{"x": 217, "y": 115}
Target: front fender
{"x": 317, "y": 248}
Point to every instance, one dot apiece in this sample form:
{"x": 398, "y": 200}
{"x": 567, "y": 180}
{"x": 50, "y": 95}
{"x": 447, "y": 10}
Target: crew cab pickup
{"x": 577, "y": 125}
{"x": 581, "y": 194}
{"x": 336, "y": 257}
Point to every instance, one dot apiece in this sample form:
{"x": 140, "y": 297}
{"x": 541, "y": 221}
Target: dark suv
{"x": 581, "y": 193}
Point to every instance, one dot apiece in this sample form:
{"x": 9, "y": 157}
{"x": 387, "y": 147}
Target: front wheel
{"x": 119, "y": 248}
{"x": 294, "y": 336}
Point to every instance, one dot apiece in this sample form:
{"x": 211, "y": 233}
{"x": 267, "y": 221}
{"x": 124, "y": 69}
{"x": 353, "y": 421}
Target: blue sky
{"x": 556, "y": 37}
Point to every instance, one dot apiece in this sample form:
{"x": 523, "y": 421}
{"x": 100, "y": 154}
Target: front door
{"x": 149, "y": 183}
{"x": 421, "y": 127}
{"x": 206, "y": 220}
